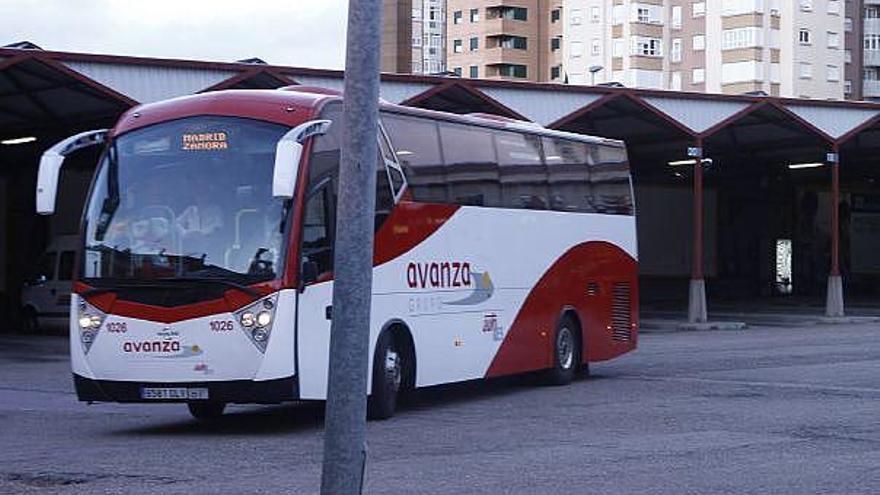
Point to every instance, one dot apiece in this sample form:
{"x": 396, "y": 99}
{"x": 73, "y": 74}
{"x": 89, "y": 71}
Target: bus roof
{"x": 293, "y": 105}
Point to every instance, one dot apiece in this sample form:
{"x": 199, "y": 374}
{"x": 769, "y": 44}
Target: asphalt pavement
{"x": 763, "y": 410}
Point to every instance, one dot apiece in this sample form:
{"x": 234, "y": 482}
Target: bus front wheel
{"x": 387, "y": 376}
{"x": 206, "y": 410}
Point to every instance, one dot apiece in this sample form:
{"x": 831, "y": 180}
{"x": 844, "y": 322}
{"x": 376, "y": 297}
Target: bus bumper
{"x": 238, "y": 391}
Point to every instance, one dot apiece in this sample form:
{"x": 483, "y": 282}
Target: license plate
{"x": 178, "y": 393}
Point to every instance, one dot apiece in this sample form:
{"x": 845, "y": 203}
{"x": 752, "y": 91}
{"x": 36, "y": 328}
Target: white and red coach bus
{"x": 205, "y": 274}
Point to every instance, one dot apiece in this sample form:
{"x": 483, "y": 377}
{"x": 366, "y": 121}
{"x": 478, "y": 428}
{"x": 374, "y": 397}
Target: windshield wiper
{"x": 210, "y": 280}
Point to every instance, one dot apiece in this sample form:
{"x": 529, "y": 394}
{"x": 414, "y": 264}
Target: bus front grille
{"x": 621, "y": 312}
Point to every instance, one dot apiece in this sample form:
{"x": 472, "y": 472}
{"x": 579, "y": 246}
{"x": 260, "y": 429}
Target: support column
{"x": 697, "y": 312}
{"x": 834, "y": 298}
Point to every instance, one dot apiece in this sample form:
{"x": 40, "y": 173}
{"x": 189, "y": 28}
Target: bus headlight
{"x": 256, "y": 321}
{"x": 89, "y": 322}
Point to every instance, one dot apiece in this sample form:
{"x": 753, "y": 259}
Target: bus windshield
{"x": 190, "y": 198}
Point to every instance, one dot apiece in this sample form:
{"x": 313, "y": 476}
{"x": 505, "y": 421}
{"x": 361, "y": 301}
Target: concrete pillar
{"x": 697, "y": 312}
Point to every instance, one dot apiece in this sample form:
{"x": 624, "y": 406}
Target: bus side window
{"x": 318, "y": 228}
{"x": 523, "y": 175}
{"x": 568, "y": 172}
{"x": 417, "y": 146}
{"x": 471, "y": 165}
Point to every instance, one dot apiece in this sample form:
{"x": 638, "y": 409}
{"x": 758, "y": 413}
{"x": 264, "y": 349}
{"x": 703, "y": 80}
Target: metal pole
{"x": 697, "y": 311}
{"x": 346, "y": 410}
{"x": 834, "y": 297}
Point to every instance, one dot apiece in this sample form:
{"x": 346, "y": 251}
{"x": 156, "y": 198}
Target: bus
{"x": 205, "y": 270}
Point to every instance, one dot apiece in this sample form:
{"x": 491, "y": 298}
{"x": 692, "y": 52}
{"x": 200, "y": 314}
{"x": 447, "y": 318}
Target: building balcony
{"x": 872, "y": 2}
{"x": 871, "y": 88}
{"x": 872, "y": 26}
{"x": 872, "y": 58}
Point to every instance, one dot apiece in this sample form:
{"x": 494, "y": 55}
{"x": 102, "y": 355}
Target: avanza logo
{"x": 438, "y": 275}
{"x": 161, "y": 346}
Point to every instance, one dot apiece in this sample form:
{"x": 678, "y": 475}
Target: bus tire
{"x": 387, "y": 377}
{"x": 205, "y": 410}
{"x": 566, "y": 352}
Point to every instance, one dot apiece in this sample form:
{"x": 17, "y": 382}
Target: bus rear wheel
{"x": 388, "y": 369}
{"x": 206, "y": 410}
{"x": 566, "y": 353}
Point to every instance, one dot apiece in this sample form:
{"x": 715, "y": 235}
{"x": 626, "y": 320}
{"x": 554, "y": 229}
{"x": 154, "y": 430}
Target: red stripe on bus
{"x": 408, "y": 225}
{"x": 528, "y": 344}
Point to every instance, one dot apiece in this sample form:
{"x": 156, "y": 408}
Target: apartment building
{"x": 505, "y": 39}
{"x": 871, "y": 50}
{"x": 779, "y": 47}
{"x": 414, "y": 36}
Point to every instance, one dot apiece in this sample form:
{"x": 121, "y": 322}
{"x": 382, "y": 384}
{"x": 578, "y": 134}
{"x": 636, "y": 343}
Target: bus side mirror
{"x": 288, "y": 153}
{"x": 51, "y": 162}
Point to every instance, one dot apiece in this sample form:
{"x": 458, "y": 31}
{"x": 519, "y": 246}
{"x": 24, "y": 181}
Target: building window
{"x": 576, "y": 17}
{"x": 618, "y": 15}
{"x": 595, "y": 47}
{"x": 675, "y": 81}
{"x": 617, "y": 47}
{"x": 511, "y": 13}
{"x": 847, "y": 87}
{"x": 804, "y": 36}
{"x": 595, "y": 16}
{"x": 698, "y": 76}
{"x": 457, "y": 46}
{"x": 847, "y": 56}
{"x": 848, "y": 24}
{"x": 417, "y": 42}
{"x": 805, "y": 70}
{"x": 675, "y": 50}
{"x": 475, "y": 72}
{"x": 650, "y": 47}
{"x": 513, "y": 70}
{"x": 555, "y": 72}
{"x": 555, "y": 43}
{"x": 744, "y": 37}
{"x": 475, "y": 15}
{"x": 698, "y": 9}
{"x": 806, "y": 5}
{"x": 872, "y": 42}
{"x": 457, "y": 17}
{"x": 833, "y": 73}
{"x": 834, "y": 7}
{"x": 457, "y": 71}
{"x": 555, "y": 14}
{"x": 474, "y": 44}
{"x": 833, "y": 40}
{"x": 676, "y": 17}
{"x": 515, "y": 42}
{"x": 698, "y": 42}
{"x": 643, "y": 15}
{"x": 577, "y": 49}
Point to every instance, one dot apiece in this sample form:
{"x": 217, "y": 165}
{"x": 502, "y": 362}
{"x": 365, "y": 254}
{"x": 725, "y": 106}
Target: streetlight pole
{"x": 346, "y": 409}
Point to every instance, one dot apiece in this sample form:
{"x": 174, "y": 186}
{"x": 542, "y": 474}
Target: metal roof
{"x": 642, "y": 117}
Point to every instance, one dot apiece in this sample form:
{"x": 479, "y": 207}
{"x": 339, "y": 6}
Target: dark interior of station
{"x": 766, "y": 224}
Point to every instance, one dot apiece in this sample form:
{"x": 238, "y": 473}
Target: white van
{"x": 45, "y": 297}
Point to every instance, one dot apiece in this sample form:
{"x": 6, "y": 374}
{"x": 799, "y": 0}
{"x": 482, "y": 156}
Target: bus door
{"x": 314, "y": 310}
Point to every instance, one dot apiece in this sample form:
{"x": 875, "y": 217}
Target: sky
{"x": 302, "y": 33}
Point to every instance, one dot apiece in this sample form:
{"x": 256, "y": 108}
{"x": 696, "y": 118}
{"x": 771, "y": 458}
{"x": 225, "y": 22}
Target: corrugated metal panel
{"x": 149, "y": 83}
{"x": 396, "y": 92}
{"x": 541, "y": 106}
{"x": 322, "y": 82}
{"x": 834, "y": 121}
{"x": 696, "y": 114}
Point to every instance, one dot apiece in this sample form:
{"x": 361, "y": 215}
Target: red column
{"x": 835, "y": 213}
{"x": 697, "y": 262}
